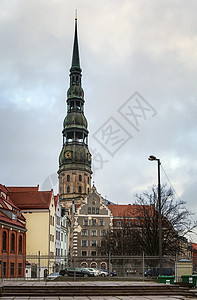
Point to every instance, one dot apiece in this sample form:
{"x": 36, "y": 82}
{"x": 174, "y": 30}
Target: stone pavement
{"x": 100, "y": 298}
{"x": 94, "y": 283}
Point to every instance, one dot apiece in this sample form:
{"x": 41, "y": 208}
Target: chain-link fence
{"x": 39, "y": 267}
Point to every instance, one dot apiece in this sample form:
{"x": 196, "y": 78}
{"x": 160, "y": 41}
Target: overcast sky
{"x": 139, "y": 63}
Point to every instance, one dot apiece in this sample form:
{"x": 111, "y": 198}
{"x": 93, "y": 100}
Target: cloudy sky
{"x": 139, "y": 62}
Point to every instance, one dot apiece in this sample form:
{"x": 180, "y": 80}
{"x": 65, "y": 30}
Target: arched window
{"x": 68, "y": 189}
{"x": 4, "y": 246}
{"x": 20, "y": 246}
{"x": 68, "y": 177}
{"x": 80, "y": 177}
{"x": 12, "y": 242}
{"x": 80, "y": 189}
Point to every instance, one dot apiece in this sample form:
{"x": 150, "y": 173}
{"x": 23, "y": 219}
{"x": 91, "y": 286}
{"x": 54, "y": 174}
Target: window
{"x": 103, "y": 232}
{"x": 20, "y": 245}
{"x": 84, "y": 232}
{"x": 97, "y": 210}
{"x": 12, "y": 242}
{"x": 119, "y": 223}
{"x": 20, "y": 269}
{"x": 84, "y": 243}
{"x": 84, "y": 253}
{"x": 80, "y": 189}
{"x": 4, "y": 269}
{"x": 88, "y": 190}
{"x": 93, "y": 232}
{"x": 93, "y": 222}
{"x": 12, "y": 269}
{"x": 93, "y": 253}
{"x": 93, "y": 243}
{"x": 57, "y": 235}
{"x": 4, "y": 241}
{"x": 61, "y": 236}
{"x": 68, "y": 177}
{"x": 85, "y": 222}
{"x": 68, "y": 189}
{"x": 93, "y": 210}
{"x": 89, "y": 210}
{"x": 88, "y": 179}
{"x": 80, "y": 177}
{"x": 128, "y": 223}
{"x": 102, "y": 243}
{"x": 101, "y": 222}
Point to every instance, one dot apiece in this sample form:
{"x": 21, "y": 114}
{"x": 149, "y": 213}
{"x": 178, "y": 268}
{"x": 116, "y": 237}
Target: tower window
{"x": 80, "y": 189}
{"x": 68, "y": 177}
{"x": 80, "y": 177}
{"x": 68, "y": 189}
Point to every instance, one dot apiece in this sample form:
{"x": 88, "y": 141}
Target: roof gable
{"x": 32, "y": 199}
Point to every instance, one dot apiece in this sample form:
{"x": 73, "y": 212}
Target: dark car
{"x": 113, "y": 273}
{"x": 165, "y": 271}
{"x": 78, "y": 272}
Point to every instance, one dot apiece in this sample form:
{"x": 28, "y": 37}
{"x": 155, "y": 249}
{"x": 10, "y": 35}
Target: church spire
{"x": 75, "y": 58}
{"x": 75, "y": 157}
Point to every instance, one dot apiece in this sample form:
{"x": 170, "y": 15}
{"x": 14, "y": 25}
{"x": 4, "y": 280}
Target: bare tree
{"x": 142, "y": 234}
{"x": 175, "y": 222}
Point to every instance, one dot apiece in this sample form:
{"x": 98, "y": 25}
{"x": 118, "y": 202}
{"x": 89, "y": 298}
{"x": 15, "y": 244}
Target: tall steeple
{"x": 75, "y": 158}
{"x": 75, "y": 58}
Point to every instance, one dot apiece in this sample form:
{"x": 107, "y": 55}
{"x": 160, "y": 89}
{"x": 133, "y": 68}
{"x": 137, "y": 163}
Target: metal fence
{"x": 38, "y": 267}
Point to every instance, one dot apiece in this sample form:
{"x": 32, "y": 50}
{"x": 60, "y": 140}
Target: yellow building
{"x": 38, "y": 207}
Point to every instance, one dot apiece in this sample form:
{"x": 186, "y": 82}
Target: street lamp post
{"x": 152, "y": 157}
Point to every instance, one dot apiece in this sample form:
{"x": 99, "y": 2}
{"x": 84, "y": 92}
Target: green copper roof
{"x": 75, "y": 58}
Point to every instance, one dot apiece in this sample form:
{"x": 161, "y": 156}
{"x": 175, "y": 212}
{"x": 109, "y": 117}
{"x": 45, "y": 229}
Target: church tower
{"x": 75, "y": 158}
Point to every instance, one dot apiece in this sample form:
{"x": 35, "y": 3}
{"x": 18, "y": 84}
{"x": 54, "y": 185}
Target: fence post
{"x": 74, "y": 261}
{"x": 143, "y": 266}
{"x": 109, "y": 268}
{"x": 38, "y": 265}
{"x": 2, "y": 267}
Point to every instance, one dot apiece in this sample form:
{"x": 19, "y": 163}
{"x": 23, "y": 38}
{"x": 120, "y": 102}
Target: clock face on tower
{"x": 89, "y": 157}
{"x": 68, "y": 154}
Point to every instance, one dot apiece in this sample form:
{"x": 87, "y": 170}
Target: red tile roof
{"x": 56, "y": 200}
{"x": 194, "y": 246}
{"x": 3, "y": 188}
{"x": 23, "y": 188}
{"x": 32, "y": 199}
{"x": 127, "y": 210}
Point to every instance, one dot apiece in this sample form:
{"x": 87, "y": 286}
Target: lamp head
{"x": 152, "y": 157}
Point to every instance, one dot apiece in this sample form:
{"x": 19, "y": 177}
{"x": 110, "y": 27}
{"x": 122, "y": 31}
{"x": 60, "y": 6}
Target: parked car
{"x": 78, "y": 272}
{"x": 131, "y": 272}
{"x": 165, "y": 271}
{"x": 113, "y": 273}
{"x": 87, "y": 272}
{"x": 94, "y": 271}
{"x": 104, "y": 273}
{"x": 53, "y": 276}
